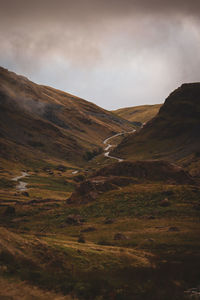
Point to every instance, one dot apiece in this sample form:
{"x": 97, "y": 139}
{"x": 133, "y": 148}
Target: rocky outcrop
{"x": 90, "y": 189}
{"x": 148, "y": 170}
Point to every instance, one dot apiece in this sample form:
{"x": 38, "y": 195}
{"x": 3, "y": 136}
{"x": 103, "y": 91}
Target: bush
{"x": 91, "y": 154}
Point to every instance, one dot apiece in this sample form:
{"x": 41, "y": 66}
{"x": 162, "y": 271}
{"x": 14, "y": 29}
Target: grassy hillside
{"x": 141, "y": 114}
{"x": 39, "y": 122}
{"x": 86, "y": 227}
{"x": 173, "y": 134}
{"x": 136, "y": 238}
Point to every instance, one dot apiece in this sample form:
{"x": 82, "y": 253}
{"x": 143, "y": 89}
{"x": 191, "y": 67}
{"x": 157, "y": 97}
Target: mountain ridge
{"x": 73, "y": 124}
{"x": 138, "y": 114}
{"x": 173, "y": 134}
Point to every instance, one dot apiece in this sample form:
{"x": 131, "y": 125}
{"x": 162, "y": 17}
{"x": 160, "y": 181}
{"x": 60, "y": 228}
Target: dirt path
{"x": 109, "y": 146}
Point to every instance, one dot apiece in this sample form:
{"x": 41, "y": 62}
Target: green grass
{"x": 94, "y": 270}
{"x": 139, "y": 200}
{"x": 50, "y": 183}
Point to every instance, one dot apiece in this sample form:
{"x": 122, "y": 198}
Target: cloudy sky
{"x": 115, "y": 53}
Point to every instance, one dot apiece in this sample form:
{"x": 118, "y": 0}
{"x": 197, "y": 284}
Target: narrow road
{"x": 108, "y": 145}
{"x": 21, "y": 186}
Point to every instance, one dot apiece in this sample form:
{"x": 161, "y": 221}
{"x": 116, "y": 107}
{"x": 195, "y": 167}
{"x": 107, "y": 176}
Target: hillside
{"x": 96, "y": 228}
{"x": 41, "y": 123}
{"x": 140, "y": 114}
{"x": 174, "y": 134}
{"x": 121, "y": 174}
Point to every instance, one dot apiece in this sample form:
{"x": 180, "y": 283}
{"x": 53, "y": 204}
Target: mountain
{"x": 104, "y": 228}
{"x": 41, "y": 123}
{"x": 138, "y": 114}
{"x": 173, "y": 134}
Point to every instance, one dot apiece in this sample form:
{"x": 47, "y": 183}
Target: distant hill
{"x": 41, "y": 123}
{"x": 140, "y": 114}
{"x": 173, "y": 134}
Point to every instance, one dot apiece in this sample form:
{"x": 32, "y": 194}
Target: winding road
{"x": 22, "y": 186}
{"x": 109, "y": 146}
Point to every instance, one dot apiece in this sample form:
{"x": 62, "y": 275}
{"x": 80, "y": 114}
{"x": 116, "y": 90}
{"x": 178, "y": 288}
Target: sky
{"x": 115, "y": 53}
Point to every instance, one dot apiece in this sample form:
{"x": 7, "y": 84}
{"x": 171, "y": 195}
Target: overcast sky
{"x": 115, "y": 53}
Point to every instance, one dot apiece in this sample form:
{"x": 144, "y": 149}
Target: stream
{"x": 108, "y": 145}
{"x": 21, "y": 185}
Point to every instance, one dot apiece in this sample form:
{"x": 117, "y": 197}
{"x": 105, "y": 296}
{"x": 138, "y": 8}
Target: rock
{"x": 26, "y": 194}
{"x": 81, "y": 238}
{"x": 9, "y": 211}
{"x": 193, "y": 293}
{"x": 79, "y": 178}
{"x": 46, "y": 169}
{"x": 109, "y": 221}
{"x": 151, "y": 217}
{"x": 173, "y": 228}
{"x": 75, "y": 220}
{"x": 89, "y": 229}
{"x": 61, "y": 168}
{"x": 120, "y": 236}
{"x": 151, "y": 240}
{"x": 165, "y": 202}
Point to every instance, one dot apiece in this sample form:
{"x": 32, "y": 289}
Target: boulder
{"x": 81, "y": 239}
{"x": 165, "y": 202}
{"x": 61, "y": 168}
{"x": 151, "y": 217}
{"x": 109, "y": 221}
{"x": 120, "y": 236}
{"x": 74, "y": 220}
{"x": 89, "y": 229}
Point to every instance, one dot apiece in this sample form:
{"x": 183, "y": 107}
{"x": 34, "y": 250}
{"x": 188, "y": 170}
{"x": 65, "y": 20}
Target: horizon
{"x": 115, "y": 54}
{"x": 79, "y": 96}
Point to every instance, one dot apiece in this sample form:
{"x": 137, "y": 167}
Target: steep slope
{"x": 174, "y": 134}
{"x": 41, "y": 122}
{"x": 140, "y": 114}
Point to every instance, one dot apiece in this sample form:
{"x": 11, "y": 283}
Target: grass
{"x": 142, "y": 113}
{"x": 139, "y": 200}
{"x": 151, "y": 263}
{"x": 50, "y": 183}
{"x": 6, "y": 184}
{"x": 91, "y": 270}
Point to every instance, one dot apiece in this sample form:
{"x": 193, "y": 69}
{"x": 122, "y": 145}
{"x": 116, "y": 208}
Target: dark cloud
{"x": 115, "y": 53}
{"x": 92, "y": 8}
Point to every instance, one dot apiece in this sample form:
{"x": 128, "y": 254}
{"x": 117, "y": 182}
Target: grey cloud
{"x": 115, "y": 53}
{"x": 91, "y": 8}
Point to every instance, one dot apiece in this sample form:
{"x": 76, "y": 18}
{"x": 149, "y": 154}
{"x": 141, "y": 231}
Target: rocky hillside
{"x": 120, "y": 174}
{"x": 174, "y": 133}
{"x": 138, "y": 114}
{"x": 39, "y": 122}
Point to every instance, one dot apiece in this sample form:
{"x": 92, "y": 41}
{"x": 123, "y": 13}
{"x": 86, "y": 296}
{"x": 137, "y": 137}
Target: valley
{"x": 95, "y": 206}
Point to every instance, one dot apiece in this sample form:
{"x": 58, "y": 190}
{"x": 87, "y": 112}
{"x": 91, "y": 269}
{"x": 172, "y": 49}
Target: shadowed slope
{"x": 39, "y": 121}
{"x": 173, "y": 134}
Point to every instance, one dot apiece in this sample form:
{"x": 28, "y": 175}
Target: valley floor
{"x": 133, "y": 241}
